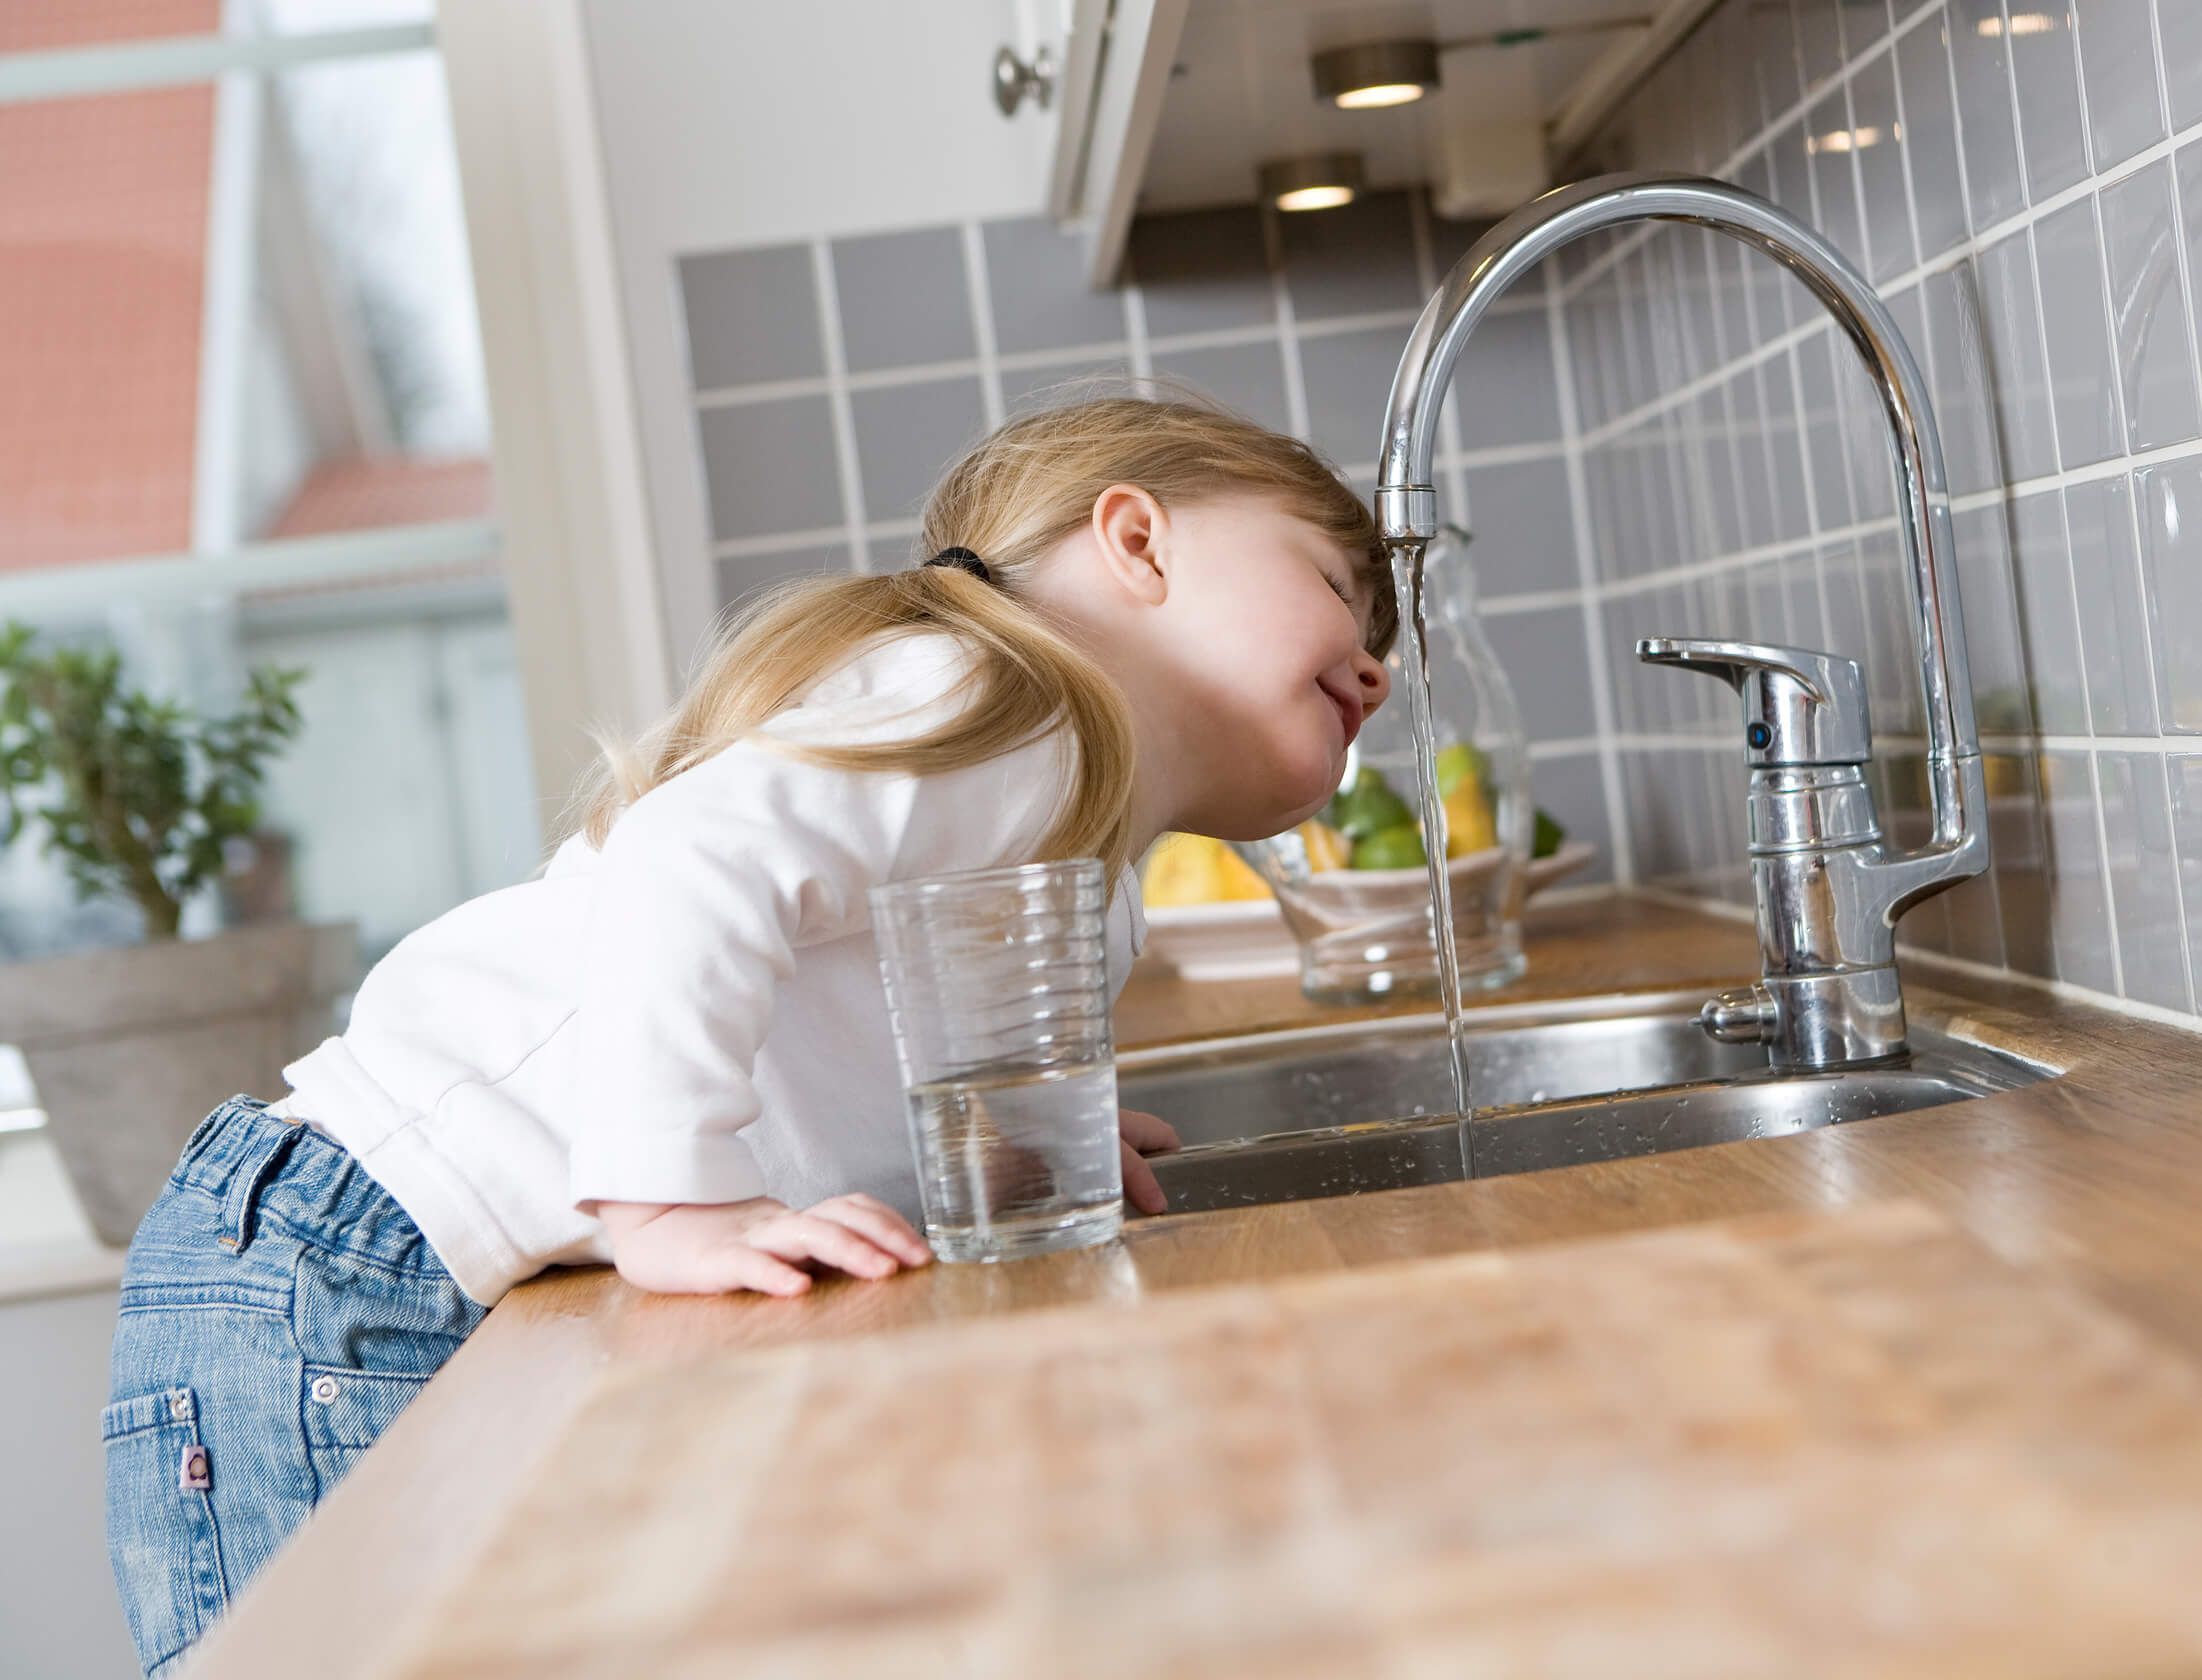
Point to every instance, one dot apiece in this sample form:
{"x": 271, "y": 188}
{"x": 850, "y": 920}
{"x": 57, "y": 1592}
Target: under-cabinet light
{"x": 1375, "y": 73}
{"x": 2022, "y": 23}
{"x": 1852, "y": 139}
{"x": 1318, "y": 181}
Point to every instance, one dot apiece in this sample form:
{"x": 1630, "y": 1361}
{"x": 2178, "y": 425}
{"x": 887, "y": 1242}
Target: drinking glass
{"x": 997, "y": 985}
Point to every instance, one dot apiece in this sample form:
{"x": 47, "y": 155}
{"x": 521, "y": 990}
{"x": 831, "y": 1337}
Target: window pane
{"x": 239, "y": 321}
{"x": 103, "y": 228}
{"x": 364, "y": 402}
{"x": 300, "y": 16}
{"x": 235, "y": 315}
{"x": 37, "y": 25}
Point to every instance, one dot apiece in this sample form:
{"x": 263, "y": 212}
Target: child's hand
{"x": 715, "y": 1248}
{"x": 1142, "y": 1135}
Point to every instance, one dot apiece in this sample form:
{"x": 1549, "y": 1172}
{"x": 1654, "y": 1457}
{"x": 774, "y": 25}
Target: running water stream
{"x": 1407, "y": 582}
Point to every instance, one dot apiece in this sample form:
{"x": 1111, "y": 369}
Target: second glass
{"x": 997, "y": 985}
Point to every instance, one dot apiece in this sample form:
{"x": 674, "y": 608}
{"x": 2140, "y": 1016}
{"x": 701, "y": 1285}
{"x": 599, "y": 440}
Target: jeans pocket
{"x": 161, "y": 1537}
{"x": 346, "y": 1411}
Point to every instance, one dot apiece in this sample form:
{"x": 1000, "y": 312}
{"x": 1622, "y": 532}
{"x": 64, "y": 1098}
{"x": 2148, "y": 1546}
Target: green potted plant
{"x": 144, "y": 799}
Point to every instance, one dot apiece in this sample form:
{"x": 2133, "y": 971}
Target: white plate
{"x": 1239, "y": 939}
{"x": 1246, "y": 939}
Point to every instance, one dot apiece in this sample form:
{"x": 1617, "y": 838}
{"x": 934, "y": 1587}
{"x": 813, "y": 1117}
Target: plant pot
{"x": 131, "y": 1048}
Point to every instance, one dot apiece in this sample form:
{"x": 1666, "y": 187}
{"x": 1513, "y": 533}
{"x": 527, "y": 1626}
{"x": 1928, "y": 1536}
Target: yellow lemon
{"x": 1239, "y": 879}
{"x": 1469, "y": 824}
{"x": 1326, "y": 847}
{"x": 1180, "y": 870}
{"x": 1194, "y": 869}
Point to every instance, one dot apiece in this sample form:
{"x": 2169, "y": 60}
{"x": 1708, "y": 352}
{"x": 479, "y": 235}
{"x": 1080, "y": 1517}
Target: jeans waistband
{"x": 258, "y": 1165}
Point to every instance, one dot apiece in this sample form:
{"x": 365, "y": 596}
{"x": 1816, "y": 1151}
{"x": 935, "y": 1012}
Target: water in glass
{"x": 1016, "y": 1160}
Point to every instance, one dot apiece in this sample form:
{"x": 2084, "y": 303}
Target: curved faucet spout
{"x": 1407, "y": 502}
{"x": 1829, "y": 888}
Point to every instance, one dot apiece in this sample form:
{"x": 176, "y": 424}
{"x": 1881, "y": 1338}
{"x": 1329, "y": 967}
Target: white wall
{"x": 752, "y": 122}
{"x": 59, "y": 1617}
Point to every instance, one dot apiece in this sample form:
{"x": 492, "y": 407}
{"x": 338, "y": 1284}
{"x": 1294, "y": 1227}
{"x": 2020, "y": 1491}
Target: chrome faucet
{"x": 1829, "y": 888}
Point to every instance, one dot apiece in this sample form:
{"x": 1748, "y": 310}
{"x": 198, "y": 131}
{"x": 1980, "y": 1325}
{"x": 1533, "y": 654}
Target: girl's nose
{"x": 1375, "y": 680}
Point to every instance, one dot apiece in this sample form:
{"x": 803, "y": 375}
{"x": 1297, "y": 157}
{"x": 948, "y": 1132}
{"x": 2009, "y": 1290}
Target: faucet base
{"x": 1822, "y": 1021}
{"x": 1812, "y": 1023}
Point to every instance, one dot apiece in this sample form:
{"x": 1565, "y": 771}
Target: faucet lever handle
{"x": 1800, "y": 706}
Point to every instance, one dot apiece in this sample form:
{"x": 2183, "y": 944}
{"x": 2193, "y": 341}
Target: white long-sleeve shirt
{"x": 693, "y": 1013}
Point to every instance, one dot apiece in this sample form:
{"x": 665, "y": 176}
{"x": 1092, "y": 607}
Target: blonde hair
{"x": 1010, "y": 500}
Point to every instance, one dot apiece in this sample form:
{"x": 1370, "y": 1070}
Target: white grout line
{"x": 970, "y": 367}
{"x": 1532, "y": 600}
{"x": 1570, "y": 746}
{"x": 1469, "y": 460}
{"x": 837, "y": 402}
{"x": 979, "y": 295}
{"x": 1142, "y": 347}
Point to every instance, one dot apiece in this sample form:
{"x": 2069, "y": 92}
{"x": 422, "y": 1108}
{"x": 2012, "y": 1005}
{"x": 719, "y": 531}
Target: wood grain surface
{"x": 2091, "y": 1182}
{"x": 1811, "y": 1444}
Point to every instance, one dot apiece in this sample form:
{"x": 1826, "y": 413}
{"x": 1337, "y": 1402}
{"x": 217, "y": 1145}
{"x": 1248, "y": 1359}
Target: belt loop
{"x": 271, "y": 1142}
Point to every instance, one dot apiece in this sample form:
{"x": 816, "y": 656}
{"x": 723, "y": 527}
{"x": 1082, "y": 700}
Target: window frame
{"x": 571, "y": 526}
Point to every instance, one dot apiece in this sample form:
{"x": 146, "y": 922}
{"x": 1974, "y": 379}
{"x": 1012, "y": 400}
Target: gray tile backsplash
{"x": 752, "y": 316}
{"x": 905, "y": 298}
{"x": 2119, "y": 54}
{"x": 1247, "y": 377}
{"x": 904, "y": 434}
{"x": 761, "y": 461}
{"x": 1035, "y": 276}
{"x": 2052, "y": 129}
{"x": 2025, "y": 186}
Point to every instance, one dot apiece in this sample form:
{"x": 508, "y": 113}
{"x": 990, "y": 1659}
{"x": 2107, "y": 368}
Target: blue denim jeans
{"x": 278, "y": 1311}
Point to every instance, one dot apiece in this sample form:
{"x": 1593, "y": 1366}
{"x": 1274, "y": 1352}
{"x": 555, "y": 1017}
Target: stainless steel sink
{"x": 1336, "y": 1111}
{"x": 1386, "y": 1070}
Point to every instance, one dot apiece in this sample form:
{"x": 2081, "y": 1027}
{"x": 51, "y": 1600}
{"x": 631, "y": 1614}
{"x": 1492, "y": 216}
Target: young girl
{"x": 671, "y": 1050}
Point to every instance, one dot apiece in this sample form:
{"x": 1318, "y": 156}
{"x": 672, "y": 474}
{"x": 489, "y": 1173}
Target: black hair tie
{"x": 965, "y": 560}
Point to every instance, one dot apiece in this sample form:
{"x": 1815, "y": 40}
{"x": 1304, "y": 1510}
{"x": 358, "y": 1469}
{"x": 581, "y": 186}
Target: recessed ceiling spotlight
{"x": 1317, "y": 181}
{"x": 2022, "y": 23}
{"x": 1375, "y": 73}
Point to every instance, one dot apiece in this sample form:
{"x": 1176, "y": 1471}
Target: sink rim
{"x": 1668, "y": 1004}
{"x": 1678, "y": 1005}
{"x": 1942, "y": 1069}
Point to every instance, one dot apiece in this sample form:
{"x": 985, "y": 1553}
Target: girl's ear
{"x": 1131, "y": 531}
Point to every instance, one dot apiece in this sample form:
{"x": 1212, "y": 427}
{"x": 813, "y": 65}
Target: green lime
{"x": 1369, "y": 806}
{"x": 1549, "y": 834}
{"x": 1397, "y": 847}
{"x": 1458, "y": 762}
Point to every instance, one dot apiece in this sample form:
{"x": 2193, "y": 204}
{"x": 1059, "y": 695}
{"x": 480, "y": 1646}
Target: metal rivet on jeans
{"x": 325, "y": 1389}
{"x": 179, "y": 1406}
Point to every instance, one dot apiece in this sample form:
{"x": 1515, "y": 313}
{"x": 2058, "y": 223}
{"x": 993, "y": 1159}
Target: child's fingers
{"x": 805, "y": 1236}
{"x": 880, "y": 1224}
{"x": 1150, "y": 1134}
{"x": 1141, "y": 1188}
{"x": 753, "y": 1269}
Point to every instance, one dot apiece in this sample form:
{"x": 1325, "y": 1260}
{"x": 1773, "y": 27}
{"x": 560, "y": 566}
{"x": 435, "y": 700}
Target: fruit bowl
{"x": 1247, "y": 939}
{"x": 1363, "y": 892}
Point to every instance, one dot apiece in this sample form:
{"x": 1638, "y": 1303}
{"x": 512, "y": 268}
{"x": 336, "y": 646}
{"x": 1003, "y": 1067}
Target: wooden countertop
{"x": 2090, "y": 1183}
